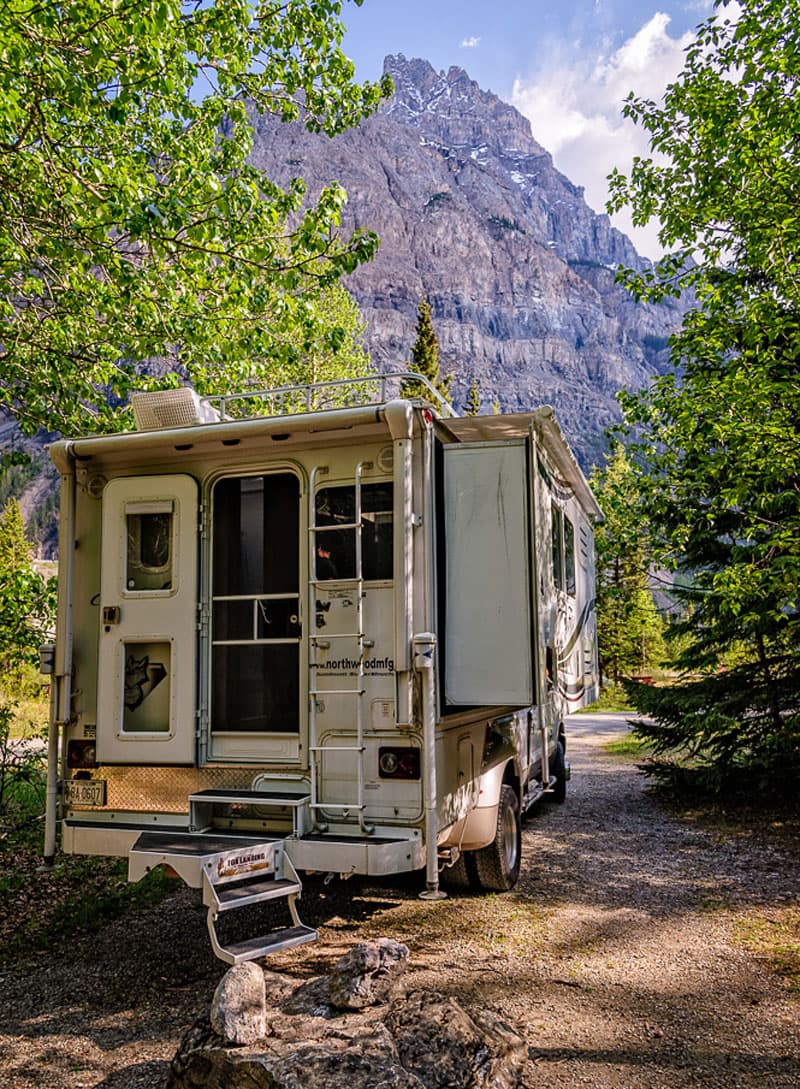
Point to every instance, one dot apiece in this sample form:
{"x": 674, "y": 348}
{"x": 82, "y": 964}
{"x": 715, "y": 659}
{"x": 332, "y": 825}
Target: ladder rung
{"x": 337, "y": 748}
{"x": 337, "y": 692}
{"x": 356, "y": 581}
{"x": 344, "y": 806}
{"x": 338, "y": 635}
{"x": 345, "y": 525}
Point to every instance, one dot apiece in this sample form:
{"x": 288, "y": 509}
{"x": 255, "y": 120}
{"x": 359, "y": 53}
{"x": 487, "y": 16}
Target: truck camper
{"x": 331, "y": 628}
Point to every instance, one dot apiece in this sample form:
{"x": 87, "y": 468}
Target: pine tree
{"x": 425, "y": 358}
{"x": 473, "y": 402}
{"x": 26, "y": 599}
{"x": 629, "y": 629}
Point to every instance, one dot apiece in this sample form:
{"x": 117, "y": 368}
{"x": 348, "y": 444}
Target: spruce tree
{"x": 425, "y": 358}
{"x": 27, "y": 599}
{"x": 629, "y": 629}
{"x": 473, "y": 403}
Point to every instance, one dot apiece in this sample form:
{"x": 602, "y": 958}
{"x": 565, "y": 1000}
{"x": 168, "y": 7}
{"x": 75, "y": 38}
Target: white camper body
{"x": 338, "y": 640}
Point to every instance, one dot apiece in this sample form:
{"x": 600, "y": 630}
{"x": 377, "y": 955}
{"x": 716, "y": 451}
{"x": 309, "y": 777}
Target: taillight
{"x": 81, "y": 754}
{"x": 398, "y": 763}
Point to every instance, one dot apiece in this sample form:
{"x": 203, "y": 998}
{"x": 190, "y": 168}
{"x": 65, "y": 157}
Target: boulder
{"x": 444, "y": 1046}
{"x": 368, "y": 974}
{"x": 238, "y": 1008}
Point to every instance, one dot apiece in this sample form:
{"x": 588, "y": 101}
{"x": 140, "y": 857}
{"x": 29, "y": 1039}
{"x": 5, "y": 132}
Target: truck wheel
{"x": 558, "y": 768}
{"x": 498, "y": 864}
{"x": 463, "y": 875}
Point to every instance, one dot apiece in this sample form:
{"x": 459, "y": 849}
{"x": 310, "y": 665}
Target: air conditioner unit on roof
{"x": 169, "y": 408}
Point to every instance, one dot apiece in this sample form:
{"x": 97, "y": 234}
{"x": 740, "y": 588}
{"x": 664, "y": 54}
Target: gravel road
{"x": 620, "y": 957}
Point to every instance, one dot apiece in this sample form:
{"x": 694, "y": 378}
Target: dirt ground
{"x": 625, "y": 957}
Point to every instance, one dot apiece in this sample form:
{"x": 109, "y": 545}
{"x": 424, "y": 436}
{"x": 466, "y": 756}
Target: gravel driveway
{"x": 619, "y": 956}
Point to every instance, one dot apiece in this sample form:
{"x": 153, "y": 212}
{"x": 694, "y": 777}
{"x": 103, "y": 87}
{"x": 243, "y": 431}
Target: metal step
{"x": 202, "y": 805}
{"x": 254, "y": 891}
{"x": 233, "y": 871}
{"x": 273, "y": 942}
{"x": 191, "y": 855}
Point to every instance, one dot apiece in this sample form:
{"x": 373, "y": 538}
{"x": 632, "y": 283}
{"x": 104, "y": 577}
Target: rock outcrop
{"x": 471, "y": 213}
{"x": 317, "y": 1037}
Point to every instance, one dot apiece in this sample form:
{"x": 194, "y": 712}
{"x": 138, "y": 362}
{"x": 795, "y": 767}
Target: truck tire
{"x": 558, "y": 768}
{"x": 498, "y": 864}
{"x": 463, "y": 875}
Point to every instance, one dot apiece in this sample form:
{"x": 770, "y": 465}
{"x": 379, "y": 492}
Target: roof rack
{"x": 336, "y": 393}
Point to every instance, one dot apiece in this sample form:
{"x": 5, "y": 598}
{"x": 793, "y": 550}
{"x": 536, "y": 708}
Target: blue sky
{"x": 565, "y": 64}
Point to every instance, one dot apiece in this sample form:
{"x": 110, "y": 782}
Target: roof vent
{"x": 169, "y": 408}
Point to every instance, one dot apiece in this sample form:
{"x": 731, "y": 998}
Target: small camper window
{"x": 569, "y": 556}
{"x": 336, "y": 532}
{"x": 557, "y": 531}
{"x": 146, "y": 704}
{"x": 149, "y": 528}
{"x": 563, "y": 541}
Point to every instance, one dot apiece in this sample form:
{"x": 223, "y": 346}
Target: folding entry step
{"x": 233, "y": 872}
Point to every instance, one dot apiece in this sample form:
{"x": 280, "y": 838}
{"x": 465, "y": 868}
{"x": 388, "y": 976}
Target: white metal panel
{"x": 148, "y": 601}
{"x": 487, "y": 638}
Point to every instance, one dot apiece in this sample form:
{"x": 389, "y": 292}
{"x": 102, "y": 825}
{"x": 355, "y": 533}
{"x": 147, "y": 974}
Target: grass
{"x": 612, "y": 699}
{"x": 775, "y": 939}
{"x": 31, "y": 712}
{"x": 629, "y": 747}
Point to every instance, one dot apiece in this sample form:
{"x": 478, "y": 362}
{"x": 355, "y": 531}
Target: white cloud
{"x": 469, "y": 43}
{"x": 575, "y": 110}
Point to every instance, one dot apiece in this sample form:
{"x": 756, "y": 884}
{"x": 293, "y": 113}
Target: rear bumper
{"x": 334, "y": 853}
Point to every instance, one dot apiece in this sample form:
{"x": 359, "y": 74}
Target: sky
{"x": 567, "y": 65}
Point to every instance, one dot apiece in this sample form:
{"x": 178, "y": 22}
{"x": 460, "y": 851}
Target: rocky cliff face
{"x": 471, "y": 213}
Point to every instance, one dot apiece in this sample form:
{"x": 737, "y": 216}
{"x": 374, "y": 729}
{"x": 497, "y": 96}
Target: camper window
{"x": 558, "y": 567}
{"x": 336, "y": 535}
{"x": 563, "y": 542}
{"x": 569, "y": 557}
{"x": 149, "y": 546}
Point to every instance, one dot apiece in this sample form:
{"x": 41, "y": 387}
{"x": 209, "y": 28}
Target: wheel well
{"x": 511, "y": 778}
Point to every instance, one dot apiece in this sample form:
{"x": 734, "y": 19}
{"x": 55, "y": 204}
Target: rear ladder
{"x": 318, "y": 642}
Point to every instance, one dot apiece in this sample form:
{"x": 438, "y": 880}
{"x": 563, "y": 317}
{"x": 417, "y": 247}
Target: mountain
{"x": 471, "y": 213}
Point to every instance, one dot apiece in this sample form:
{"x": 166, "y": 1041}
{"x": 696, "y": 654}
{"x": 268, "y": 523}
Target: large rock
{"x": 368, "y": 974}
{"x": 420, "y": 1041}
{"x": 238, "y": 1008}
{"x": 445, "y": 1046}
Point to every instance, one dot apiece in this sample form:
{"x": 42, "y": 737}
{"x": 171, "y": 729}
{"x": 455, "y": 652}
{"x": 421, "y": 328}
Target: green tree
{"x": 473, "y": 403}
{"x": 719, "y": 436}
{"x": 135, "y": 237}
{"x": 27, "y": 609}
{"x": 425, "y": 357}
{"x": 629, "y": 629}
{"x": 27, "y": 600}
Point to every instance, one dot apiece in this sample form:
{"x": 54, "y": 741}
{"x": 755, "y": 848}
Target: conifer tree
{"x": 718, "y": 436}
{"x": 425, "y": 357}
{"x": 473, "y": 403}
{"x": 629, "y": 629}
{"x": 26, "y": 598}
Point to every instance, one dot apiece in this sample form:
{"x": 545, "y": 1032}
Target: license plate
{"x": 85, "y": 792}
